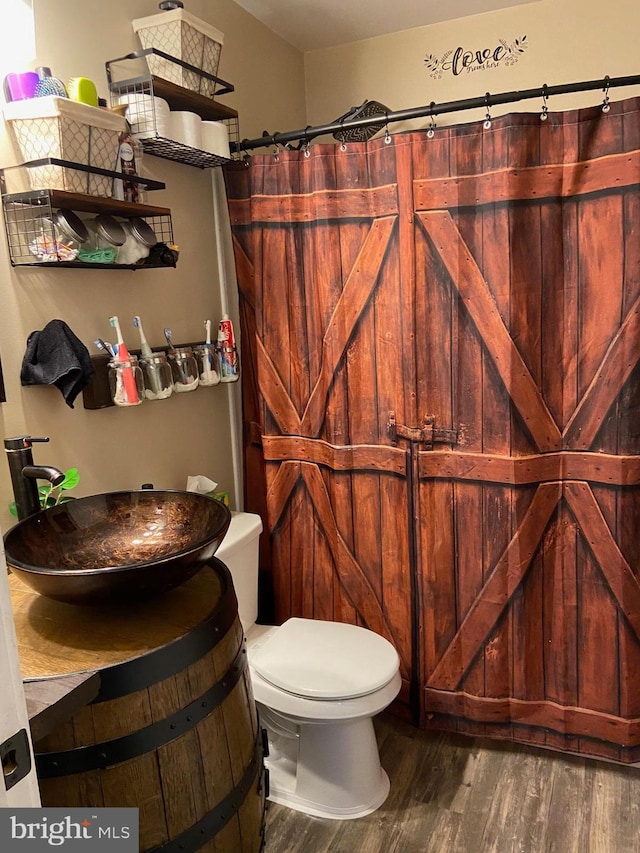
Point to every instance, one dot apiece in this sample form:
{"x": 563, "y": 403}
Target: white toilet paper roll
{"x": 215, "y": 138}
{"x": 163, "y": 128}
{"x": 144, "y": 111}
{"x": 186, "y": 127}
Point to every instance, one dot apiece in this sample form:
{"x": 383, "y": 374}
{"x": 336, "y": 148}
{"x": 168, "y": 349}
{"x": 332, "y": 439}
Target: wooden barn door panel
{"x": 327, "y": 331}
{"x": 527, "y": 562}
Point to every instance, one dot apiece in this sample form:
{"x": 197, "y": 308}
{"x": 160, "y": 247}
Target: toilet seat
{"x": 321, "y": 711}
{"x": 328, "y": 661}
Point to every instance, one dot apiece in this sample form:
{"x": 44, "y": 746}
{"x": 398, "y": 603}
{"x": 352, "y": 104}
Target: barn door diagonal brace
{"x": 427, "y": 435}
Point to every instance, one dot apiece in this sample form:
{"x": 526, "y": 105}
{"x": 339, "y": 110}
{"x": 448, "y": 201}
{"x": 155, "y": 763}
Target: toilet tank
{"x": 239, "y": 552}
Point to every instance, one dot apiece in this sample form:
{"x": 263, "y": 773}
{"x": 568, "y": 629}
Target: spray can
{"x": 227, "y": 351}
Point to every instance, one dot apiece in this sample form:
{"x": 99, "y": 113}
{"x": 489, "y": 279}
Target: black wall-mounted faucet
{"x": 24, "y": 474}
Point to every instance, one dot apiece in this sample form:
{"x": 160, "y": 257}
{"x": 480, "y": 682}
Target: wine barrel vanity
{"x": 172, "y": 730}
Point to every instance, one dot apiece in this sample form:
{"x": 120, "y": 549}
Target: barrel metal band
{"x": 215, "y": 820}
{"x": 67, "y": 762}
{"x": 158, "y": 665}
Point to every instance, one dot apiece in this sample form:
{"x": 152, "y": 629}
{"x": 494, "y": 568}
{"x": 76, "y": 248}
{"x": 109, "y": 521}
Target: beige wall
{"x": 569, "y": 40}
{"x": 165, "y": 441}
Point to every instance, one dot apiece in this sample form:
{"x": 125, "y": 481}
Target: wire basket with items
{"x": 50, "y": 226}
{"x": 170, "y": 120}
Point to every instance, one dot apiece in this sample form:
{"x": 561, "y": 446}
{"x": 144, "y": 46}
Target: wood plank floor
{"x": 452, "y": 794}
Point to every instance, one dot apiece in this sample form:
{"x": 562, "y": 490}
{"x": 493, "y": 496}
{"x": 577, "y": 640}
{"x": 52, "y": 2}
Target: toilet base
{"x": 325, "y": 770}
{"x": 299, "y": 804}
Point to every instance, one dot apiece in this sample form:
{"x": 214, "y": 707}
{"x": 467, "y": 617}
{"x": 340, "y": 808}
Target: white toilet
{"x": 317, "y": 686}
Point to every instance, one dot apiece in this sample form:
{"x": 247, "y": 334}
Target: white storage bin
{"x": 184, "y": 37}
{"x": 68, "y": 130}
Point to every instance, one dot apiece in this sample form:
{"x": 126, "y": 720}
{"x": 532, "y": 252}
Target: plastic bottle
{"x": 138, "y": 153}
{"x": 123, "y": 189}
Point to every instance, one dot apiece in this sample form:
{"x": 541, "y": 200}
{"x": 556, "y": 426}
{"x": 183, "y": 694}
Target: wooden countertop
{"x": 55, "y": 700}
{"x": 63, "y": 647}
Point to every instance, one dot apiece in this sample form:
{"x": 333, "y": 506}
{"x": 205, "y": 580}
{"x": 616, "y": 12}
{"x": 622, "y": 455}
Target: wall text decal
{"x": 461, "y": 59}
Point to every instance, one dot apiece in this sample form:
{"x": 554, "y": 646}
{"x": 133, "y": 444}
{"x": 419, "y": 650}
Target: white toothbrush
{"x": 151, "y": 370}
{"x": 144, "y": 345}
{"x": 207, "y": 359}
{"x": 209, "y": 375}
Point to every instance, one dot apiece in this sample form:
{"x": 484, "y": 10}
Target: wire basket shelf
{"x": 146, "y": 96}
{"x": 34, "y": 238}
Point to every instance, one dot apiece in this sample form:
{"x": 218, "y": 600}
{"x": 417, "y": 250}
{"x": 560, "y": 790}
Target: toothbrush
{"x": 105, "y": 346}
{"x": 208, "y": 360}
{"x": 128, "y": 377}
{"x": 150, "y": 373}
{"x": 167, "y": 335}
{"x": 184, "y": 379}
{"x": 144, "y": 345}
{"x": 209, "y": 375}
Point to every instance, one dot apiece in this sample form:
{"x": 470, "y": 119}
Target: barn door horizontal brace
{"x": 428, "y": 434}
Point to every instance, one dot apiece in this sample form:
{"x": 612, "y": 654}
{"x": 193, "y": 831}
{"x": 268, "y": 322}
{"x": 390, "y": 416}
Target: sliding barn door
{"x": 528, "y": 281}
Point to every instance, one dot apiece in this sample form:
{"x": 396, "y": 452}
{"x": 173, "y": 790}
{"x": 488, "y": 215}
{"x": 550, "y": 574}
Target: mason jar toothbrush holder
{"x": 208, "y": 365}
{"x": 126, "y": 383}
{"x": 184, "y": 369}
{"x": 158, "y": 378}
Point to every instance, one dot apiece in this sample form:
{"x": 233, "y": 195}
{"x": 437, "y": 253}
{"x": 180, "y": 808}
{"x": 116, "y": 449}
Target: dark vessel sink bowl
{"x": 118, "y": 546}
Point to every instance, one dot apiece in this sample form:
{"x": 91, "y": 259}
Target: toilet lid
{"x": 326, "y": 660}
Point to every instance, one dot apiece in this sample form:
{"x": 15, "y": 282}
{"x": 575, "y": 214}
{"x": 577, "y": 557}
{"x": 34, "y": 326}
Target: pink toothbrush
{"x": 128, "y": 377}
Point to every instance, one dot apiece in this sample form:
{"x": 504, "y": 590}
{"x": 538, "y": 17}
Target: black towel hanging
{"x": 56, "y": 356}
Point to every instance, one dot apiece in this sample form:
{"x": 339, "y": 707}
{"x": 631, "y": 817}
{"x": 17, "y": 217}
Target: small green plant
{"x": 53, "y": 495}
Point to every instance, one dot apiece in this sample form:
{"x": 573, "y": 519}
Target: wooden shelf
{"x": 180, "y": 98}
{"x": 84, "y": 265}
{"x": 87, "y": 203}
{"x": 97, "y": 394}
